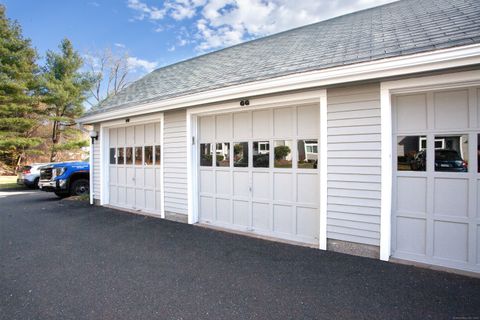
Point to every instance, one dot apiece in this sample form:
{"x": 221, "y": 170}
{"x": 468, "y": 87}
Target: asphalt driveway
{"x": 67, "y": 260}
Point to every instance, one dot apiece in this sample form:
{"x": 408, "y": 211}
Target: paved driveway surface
{"x": 67, "y": 260}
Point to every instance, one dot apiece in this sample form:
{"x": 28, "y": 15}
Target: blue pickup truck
{"x": 65, "y": 179}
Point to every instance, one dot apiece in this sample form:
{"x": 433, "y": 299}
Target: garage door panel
{"x": 121, "y": 136}
{"x": 261, "y": 216}
{"x": 283, "y": 186}
{"x": 130, "y": 175}
{"x": 224, "y": 127}
{"x": 113, "y": 175}
{"x": 223, "y": 182}
{"x": 121, "y": 198}
{"x": 223, "y": 210}
{"x": 113, "y": 194}
{"x": 207, "y": 208}
{"x": 451, "y": 197}
{"x": 262, "y": 123}
{"x": 139, "y": 135}
{"x": 451, "y": 240}
{"x": 411, "y": 194}
{"x": 139, "y": 177}
{"x": 307, "y": 121}
{"x": 283, "y": 122}
{"x": 307, "y": 188}
{"x": 308, "y": 222}
{"x": 121, "y": 176}
{"x": 478, "y": 198}
{"x": 412, "y": 104}
{"x": 241, "y": 213}
{"x": 261, "y": 185}
{"x": 112, "y": 137}
{"x": 242, "y": 125}
{"x": 207, "y": 128}
{"x": 206, "y": 181}
{"x": 411, "y": 235}
{"x": 130, "y": 196}
{"x": 150, "y": 134}
{"x": 282, "y": 219}
{"x": 241, "y": 184}
{"x": 139, "y": 198}
{"x": 451, "y": 109}
{"x": 149, "y": 200}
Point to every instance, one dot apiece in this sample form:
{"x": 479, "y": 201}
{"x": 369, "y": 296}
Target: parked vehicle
{"x": 65, "y": 179}
{"x": 29, "y": 175}
{"x": 445, "y": 160}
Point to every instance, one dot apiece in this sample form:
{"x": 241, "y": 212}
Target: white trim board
{"x": 387, "y": 88}
{"x": 404, "y": 65}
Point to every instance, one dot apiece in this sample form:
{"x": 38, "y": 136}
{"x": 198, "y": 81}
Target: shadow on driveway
{"x": 62, "y": 259}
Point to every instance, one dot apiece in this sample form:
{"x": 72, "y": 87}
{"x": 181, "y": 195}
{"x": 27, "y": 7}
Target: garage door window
{"x": 261, "y": 154}
{"x": 158, "y": 155}
{"x": 148, "y": 155}
{"x": 205, "y": 155}
{"x": 412, "y": 153}
{"x": 113, "y": 156}
{"x": 121, "y": 156}
{"x": 129, "y": 155}
{"x": 223, "y": 154}
{"x": 283, "y": 153}
{"x": 452, "y": 155}
{"x": 307, "y": 154}
{"x": 240, "y": 154}
{"x": 138, "y": 156}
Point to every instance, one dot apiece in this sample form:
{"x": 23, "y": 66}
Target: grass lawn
{"x": 8, "y": 182}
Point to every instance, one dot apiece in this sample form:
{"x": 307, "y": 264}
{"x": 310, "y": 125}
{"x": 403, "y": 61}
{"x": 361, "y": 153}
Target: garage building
{"x": 358, "y": 134}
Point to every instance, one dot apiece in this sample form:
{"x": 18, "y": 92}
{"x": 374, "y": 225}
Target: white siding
{"x": 354, "y": 164}
{"x": 175, "y": 161}
{"x": 96, "y": 165}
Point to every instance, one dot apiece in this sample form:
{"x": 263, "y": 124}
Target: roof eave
{"x": 397, "y": 66}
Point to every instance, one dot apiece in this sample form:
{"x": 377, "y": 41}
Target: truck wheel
{"x": 35, "y": 183}
{"x": 80, "y": 187}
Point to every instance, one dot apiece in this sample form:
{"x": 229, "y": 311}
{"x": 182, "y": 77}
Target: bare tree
{"x": 110, "y": 72}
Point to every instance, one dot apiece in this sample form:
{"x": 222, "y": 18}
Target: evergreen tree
{"x": 19, "y": 107}
{"x": 64, "y": 91}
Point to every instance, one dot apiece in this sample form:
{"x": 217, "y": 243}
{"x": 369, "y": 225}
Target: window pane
{"x": 223, "y": 154}
{"x": 113, "y": 156}
{"x": 121, "y": 157}
{"x": 283, "y": 153}
{"x": 307, "y": 154}
{"x": 138, "y": 156}
{"x": 451, "y": 155}
{"x": 148, "y": 155}
{"x": 412, "y": 153}
{"x": 261, "y": 154}
{"x": 128, "y": 155}
{"x": 240, "y": 154}
{"x": 205, "y": 154}
{"x": 158, "y": 155}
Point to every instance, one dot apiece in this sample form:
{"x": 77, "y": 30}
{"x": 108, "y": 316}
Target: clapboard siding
{"x": 175, "y": 161}
{"x": 96, "y": 166}
{"x": 354, "y": 164}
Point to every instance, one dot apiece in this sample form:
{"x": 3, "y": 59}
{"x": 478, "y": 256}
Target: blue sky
{"x": 157, "y": 33}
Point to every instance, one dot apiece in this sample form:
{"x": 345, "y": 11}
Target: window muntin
{"x": 129, "y": 155}
{"x": 121, "y": 156}
{"x": 113, "y": 156}
{"x": 412, "y": 153}
{"x": 205, "y": 154}
{"x": 222, "y": 151}
{"x": 240, "y": 154}
{"x": 282, "y": 153}
{"x": 453, "y": 157}
{"x": 138, "y": 156}
{"x": 148, "y": 155}
{"x": 158, "y": 155}
{"x": 261, "y": 154}
{"x": 307, "y": 154}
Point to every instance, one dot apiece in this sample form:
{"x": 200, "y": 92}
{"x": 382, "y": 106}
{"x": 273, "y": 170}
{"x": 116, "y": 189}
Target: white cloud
{"x": 146, "y": 11}
{"x": 171, "y": 49}
{"x": 119, "y": 45}
{"x": 220, "y": 23}
{"x": 137, "y": 64}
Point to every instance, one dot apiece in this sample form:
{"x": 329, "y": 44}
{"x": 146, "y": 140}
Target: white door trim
{"x": 317, "y": 96}
{"x": 104, "y": 149}
{"x": 387, "y": 88}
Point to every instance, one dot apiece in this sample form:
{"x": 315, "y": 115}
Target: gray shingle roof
{"x": 396, "y": 29}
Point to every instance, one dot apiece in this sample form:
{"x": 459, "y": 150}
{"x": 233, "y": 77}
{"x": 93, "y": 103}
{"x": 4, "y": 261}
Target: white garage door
{"x": 258, "y": 171}
{"x": 135, "y": 167}
{"x": 436, "y": 217}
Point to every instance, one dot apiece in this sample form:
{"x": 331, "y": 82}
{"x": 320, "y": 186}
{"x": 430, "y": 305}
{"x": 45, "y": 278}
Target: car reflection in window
{"x": 240, "y": 154}
{"x": 412, "y": 153}
{"x": 453, "y": 155}
{"x": 261, "y": 154}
